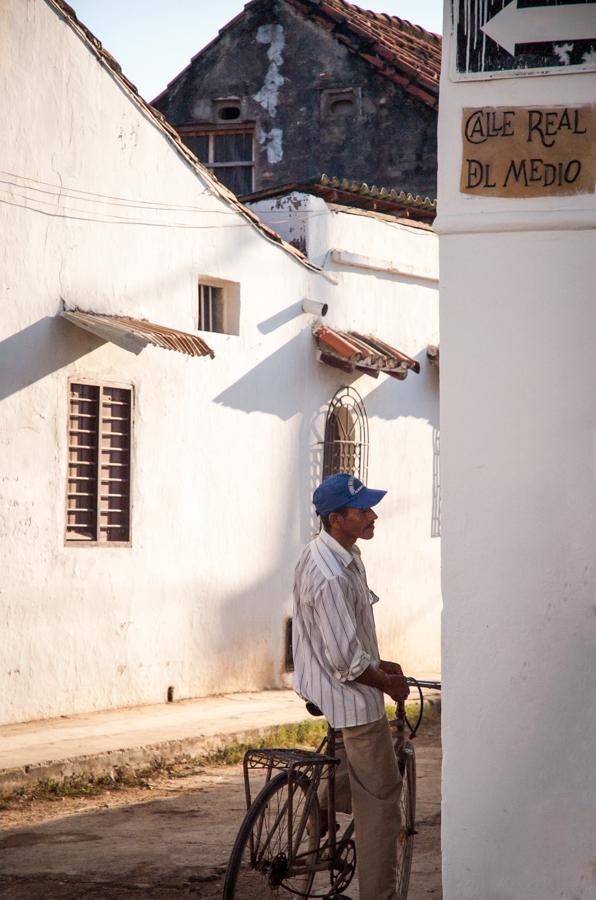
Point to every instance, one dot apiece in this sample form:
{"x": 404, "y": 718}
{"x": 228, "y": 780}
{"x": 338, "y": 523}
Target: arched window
{"x": 345, "y": 446}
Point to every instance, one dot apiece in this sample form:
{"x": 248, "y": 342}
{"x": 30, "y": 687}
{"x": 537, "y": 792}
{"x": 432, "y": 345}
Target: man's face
{"x": 357, "y": 524}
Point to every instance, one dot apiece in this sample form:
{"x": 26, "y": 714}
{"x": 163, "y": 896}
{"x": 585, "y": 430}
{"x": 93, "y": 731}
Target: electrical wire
{"x": 61, "y": 193}
{"x": 70, "y": 214}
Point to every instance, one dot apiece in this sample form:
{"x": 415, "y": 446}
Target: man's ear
{"x": 334, "y": 516}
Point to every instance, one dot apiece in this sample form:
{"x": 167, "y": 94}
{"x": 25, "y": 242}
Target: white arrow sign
{"x": 539, "y": 24}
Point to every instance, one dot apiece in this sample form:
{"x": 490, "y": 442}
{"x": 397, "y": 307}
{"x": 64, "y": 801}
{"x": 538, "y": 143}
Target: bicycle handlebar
{"x": 419, "y": 684}
{"x": 432, "y": 685}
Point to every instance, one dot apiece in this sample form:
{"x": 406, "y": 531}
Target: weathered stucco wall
{"x": 222, "y": 459}
{"x": 518, "y": 338}
{"x": 283, "y": 63}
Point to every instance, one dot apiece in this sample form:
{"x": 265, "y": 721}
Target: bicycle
{"x": 283, "y": 849}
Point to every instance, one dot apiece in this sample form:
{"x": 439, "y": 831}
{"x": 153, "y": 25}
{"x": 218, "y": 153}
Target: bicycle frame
{"x": 302, "y": 767}
{"x": 304, "y": 771}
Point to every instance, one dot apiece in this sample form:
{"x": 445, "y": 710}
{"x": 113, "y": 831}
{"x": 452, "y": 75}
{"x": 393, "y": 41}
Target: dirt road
{"x": 169, "y": 841}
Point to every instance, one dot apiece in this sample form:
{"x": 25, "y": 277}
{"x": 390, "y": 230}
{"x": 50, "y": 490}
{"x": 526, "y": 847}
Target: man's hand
{"x": 390, "y": 681}
{"x": 391, "y": 668}
{"x": 397, "y": 687}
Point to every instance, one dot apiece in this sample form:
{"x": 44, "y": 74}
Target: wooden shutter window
{"x": 98, "y": 499}
{"x": 81, "y": 502}
{"x": 114, "y": 472}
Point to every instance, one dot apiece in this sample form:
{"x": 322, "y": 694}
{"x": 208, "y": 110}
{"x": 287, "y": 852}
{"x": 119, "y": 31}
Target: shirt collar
{"x": 345, "y": 556}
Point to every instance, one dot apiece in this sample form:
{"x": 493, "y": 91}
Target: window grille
{"x": 345, "y": 445}
{"x": 99, "y": 442}
{"x": 228, "y": 153}
{"x": 210, "y": 308}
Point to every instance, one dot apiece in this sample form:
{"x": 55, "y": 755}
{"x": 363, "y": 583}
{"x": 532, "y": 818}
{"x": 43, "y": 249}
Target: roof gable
{"x": 404, "y": 53}
{"x": 65, "y": 11}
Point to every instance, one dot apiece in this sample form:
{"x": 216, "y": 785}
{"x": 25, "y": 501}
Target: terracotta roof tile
{"x": 352, "y": 351}
{"x": 358, "y": 194}
{"x": 403, "y": 52}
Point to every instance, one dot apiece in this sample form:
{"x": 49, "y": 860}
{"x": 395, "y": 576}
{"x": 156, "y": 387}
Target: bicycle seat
{"x": 313, "y": 709}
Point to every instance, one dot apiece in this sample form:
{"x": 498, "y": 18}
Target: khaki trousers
{"x": 368, "y": 776}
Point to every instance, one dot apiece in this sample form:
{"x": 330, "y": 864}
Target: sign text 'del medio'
{"x": 529, "y": 151}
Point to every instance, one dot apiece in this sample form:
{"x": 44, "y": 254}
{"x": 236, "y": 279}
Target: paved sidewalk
{"x": 98, "y": 742}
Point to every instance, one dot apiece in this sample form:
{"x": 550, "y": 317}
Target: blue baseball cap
{"x": 343, "y": 489}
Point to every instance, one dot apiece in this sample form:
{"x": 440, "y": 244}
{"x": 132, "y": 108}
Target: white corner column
{"x": 518, "y": 467}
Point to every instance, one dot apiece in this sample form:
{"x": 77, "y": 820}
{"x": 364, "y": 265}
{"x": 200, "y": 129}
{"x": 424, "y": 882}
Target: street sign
{"x": 528, "y": 151}
{"x": 508, "y": 38}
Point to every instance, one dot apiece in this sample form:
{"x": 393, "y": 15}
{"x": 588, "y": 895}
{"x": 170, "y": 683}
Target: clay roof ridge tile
{"x": 361, "y": 187}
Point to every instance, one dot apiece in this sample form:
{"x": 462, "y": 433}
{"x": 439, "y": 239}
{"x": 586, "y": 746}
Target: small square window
{"x": 210, "y": 308}
{"x": 218, "y": 306}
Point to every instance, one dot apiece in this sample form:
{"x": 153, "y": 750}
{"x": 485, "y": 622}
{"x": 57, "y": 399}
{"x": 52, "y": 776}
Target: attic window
{"x": 228, "y": 152}
{"x": 227, "y": 109}
{"x": 228, "y": 113}
{"x": 339, "y": 104}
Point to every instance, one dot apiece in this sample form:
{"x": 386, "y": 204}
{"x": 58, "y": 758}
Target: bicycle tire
{"x": 407, "y": 809}
{"x": 266, "y": 823}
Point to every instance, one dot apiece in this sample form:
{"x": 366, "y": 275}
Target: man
{"x": 337, "y": 667}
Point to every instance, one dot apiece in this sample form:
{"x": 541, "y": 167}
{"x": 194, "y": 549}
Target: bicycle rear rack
{"x": 300, "y": 764}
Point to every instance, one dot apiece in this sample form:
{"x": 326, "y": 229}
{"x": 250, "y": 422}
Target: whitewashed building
{"x": 518, "y": 413}
{"x": 153, "y": 501}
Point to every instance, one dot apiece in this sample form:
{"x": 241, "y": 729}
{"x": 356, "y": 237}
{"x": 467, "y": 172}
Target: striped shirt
{"x": 333, "y": 633}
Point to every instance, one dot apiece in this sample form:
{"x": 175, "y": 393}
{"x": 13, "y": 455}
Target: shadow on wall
{"x": 280, "y": 318}
{"x": 274, "y": 385}
{"x": 311, "y": 453}
{"x": 39, "y": 350}
{"x": 416, "y": 397}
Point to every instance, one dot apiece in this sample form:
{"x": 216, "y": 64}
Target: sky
{"x": 153, "y": 40}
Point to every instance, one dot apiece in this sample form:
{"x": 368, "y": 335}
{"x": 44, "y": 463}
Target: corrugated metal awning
{"x": 350, "y": 351}
{"x": 136, "y": 334}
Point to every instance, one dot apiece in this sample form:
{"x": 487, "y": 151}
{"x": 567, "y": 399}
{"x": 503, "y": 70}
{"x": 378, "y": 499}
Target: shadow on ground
{"x": 171, "y": 841}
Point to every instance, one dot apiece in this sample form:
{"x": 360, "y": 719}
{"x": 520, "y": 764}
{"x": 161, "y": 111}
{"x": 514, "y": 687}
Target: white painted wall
{"x": 370, "y": 297}
{"x": 225, "y": 450}
{"x": 518, "y": 416}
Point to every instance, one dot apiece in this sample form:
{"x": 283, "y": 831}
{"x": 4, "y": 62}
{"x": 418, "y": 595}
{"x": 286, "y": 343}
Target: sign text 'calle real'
{"x": 529, "y": 151}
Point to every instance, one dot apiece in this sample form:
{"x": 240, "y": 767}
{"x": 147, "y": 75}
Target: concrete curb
{"x": 135, "y": 758}
{"x": 132, "y": 758}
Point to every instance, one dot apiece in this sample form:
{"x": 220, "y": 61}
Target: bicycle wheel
{"x": 258, "y": 865}
{"x": 407, "y": 810}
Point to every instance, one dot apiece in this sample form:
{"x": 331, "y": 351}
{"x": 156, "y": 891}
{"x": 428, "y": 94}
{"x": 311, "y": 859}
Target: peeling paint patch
{"x": 268, "y": 96}
{"x": 272, "y": 141}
